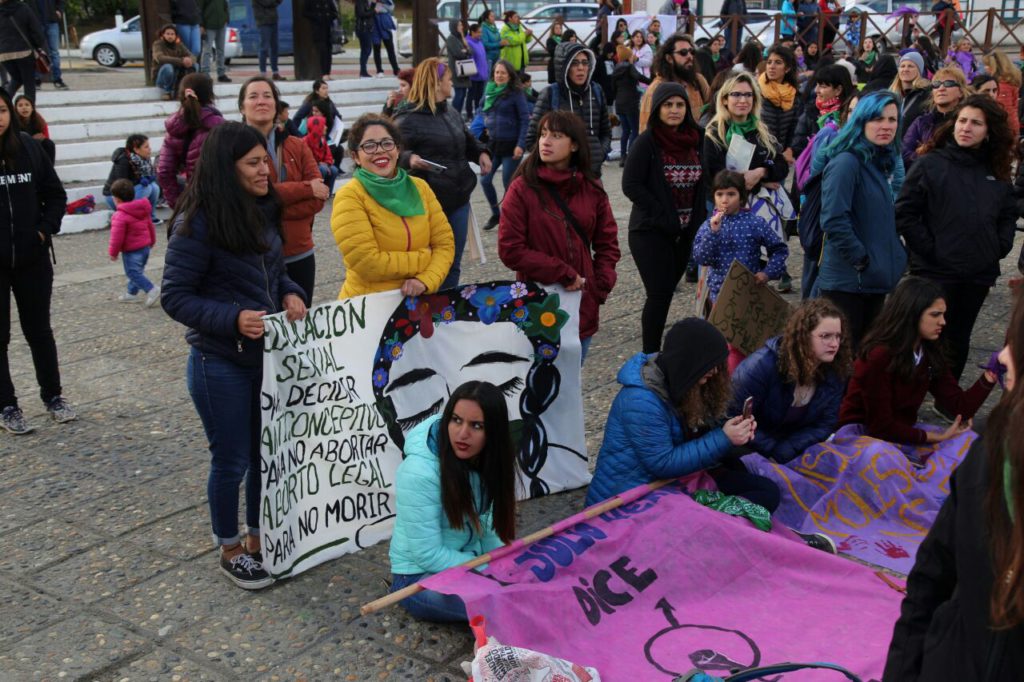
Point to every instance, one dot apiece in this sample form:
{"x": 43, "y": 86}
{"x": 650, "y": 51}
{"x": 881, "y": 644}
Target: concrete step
{"x": 72, "y": 152}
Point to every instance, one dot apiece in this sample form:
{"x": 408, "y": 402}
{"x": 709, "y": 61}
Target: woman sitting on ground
{"x": 133, "y": 162}
{"x": 796, "y": 381}
{"x": 900, "y": 360}
{"x": 455, "y": 496}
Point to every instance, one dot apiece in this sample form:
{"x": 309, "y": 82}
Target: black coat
{"x": 627, "y": 79}
{"x": 32, "y": 200}
{"x": 186, "y": 12}
{"x": 265, "y": 11}
{"x": 320, "y": 11}
{"x": 914, "y": 104}
{"x": 643, "y": 181}
{"x": 957, "y": 220}
{"x": 121, "y": 169}
{"x": 943, "y": 633}
{"x": 782, "y": 123}
{"x": 442, "y": 138}
{"x": 364, "y": 18}
{"x": 48, "y": 12}
{"x": 713, "y": 159}
{"x": 806, "y": 127}
{"x": 18, "y": 22}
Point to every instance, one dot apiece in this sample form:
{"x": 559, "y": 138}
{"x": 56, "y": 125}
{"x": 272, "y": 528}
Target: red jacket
{"x": 887, "y": 407}
{"x": 298, "y": 205}
{"x": 316, "y": 140}
{"x": 131, "y": 228}
{"x": 536, "y": 240}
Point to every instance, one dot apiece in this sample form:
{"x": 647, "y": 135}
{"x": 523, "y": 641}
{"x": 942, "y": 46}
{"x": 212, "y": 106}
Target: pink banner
{"x": 662, "y": 585}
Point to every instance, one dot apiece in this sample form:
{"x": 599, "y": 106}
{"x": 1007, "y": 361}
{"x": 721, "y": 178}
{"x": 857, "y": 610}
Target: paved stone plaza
{"x": 106, "y": 567}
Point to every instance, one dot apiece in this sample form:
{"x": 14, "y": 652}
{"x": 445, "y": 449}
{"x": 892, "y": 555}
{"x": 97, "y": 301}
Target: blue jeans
{"x": 150, "y": 191}
{"x": 508, "y": 168}
{"x": 630, "y": 129}
{"x": 191, "y": 37}
{"x": 427, "y": 604}
{"x": 213, "y": 40}
{"x": 134, "y": 264}
{"x": 365, "y": 48}
{"x": 52, "y": 31}
{"x": 226, "y": 397}
{"x": 166, "y": 78}
{"x": 329, "y": 173}
{"x": 459, "y": 98}
{"x": 459, "y": 220}
{"x": 268, "y": 46}
{"x": 584, "y": 347}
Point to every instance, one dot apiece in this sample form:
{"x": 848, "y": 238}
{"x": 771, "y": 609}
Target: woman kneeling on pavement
{"x": 455, "y": 494}
{"x": 224, "y": 271}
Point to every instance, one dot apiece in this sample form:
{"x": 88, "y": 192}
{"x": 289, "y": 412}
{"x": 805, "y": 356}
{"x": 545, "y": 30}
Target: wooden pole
{"x": 590, "y": 513}
{"x": 154, "y": 14}
{"x": 424, "y": 31}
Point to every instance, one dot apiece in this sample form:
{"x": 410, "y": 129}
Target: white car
{"x": 581, "y": 17}
{"x": 114, "y": 46}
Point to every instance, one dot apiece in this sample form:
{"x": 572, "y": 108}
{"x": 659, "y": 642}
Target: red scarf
{"x": 678, "y": 143}
{"x": 826, "y": 106}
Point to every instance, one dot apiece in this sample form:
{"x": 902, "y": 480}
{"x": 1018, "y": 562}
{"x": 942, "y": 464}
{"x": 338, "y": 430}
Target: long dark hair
{"x": 835, "y": 75}
{"x": 1004, "y": 440}
{"x": 233, "y": 217}
{"x": 566, "y": 123}
{"x": 10, "y": 145}
{"x": 496, "y": 465}
{"x": 35, "y": 122}
{"x": 789, "y": 59}
{"x": 750, "y": 56}
{"x": 897, "y": 328}
{"x": 194, "y": 93}
{"x": 999, "y": 146}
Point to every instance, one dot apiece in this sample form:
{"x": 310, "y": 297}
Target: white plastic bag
{"x": 494, "y": 662}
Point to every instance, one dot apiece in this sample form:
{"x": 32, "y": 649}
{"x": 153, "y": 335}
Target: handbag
{"x": 465, "y": 67}
{"x": 42, "y": 59}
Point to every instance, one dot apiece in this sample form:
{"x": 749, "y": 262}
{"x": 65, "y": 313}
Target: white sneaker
{"x": 130, "y": 298}
{"x": 153, "y": 297}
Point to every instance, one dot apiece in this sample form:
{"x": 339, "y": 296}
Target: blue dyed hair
{"x": 851, "y": 138}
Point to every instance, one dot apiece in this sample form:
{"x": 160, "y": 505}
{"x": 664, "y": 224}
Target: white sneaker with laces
{"x": 125, "y": 297}
{"x": 153, "y": 297}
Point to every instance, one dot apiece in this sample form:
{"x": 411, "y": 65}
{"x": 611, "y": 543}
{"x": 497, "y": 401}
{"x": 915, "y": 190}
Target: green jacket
{"x": 516, "y": 52}
{"x": 215, "y": 13}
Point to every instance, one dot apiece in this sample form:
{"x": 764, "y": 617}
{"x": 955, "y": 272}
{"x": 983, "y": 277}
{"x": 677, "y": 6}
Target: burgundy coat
{"x": 536, "y": 240}
{"x": 180, "y": 150}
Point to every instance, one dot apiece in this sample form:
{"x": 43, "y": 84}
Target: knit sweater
{"x": 740, "y": 237}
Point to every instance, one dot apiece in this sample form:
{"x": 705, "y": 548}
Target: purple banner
{"x": 867, "y": 494}
{"x": 662, "y": 585}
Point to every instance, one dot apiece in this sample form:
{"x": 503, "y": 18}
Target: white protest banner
{"x": 341, "y": 388}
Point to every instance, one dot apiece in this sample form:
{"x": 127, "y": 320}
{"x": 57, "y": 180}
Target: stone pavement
{"x": 106, "y": 567}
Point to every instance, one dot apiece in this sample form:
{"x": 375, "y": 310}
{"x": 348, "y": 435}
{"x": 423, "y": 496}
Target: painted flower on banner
{"x": 547, "y": 352}
{"x": 546, "y": 319}
{"x": 394, "y": 350}
{"x": 448, "y": 314}
{"x": 380, "y": 377}
{"x": 488, "y": 302}
{"x": 518, "y": 290}
{"x": 467, "y": 292}
{"x": 520, "y": 315}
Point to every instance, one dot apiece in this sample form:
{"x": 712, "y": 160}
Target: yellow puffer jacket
{"x": 381, "y": 250}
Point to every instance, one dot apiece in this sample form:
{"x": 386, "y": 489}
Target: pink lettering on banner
{"x": 662, "y": 585}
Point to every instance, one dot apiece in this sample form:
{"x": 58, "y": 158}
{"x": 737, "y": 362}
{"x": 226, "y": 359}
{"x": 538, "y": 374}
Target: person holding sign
{"x": 455, "y": 494}
{"x": 224, "y": 271}
{"x": 391, "y": 229}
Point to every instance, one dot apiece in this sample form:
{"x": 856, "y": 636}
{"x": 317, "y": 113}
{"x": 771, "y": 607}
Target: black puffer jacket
{"x": 957, "y": 220}
{"x": 457, "y": 49}
{"x": 782, "y": 123}
{"x": 943, "y": 632}
{"x": 265, "y": 11}
{"x": 443, "y": 138}
{"x": 32, "y": 200}
{"x": 186, "y": 12}
{"x": 583, "y": 101}
{"x": 914, "y": 104}
{"x": 15, "y": 16}
{"x": 121, "y": 168}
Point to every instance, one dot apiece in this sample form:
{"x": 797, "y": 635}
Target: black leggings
{"x": 22, "y": 72}
{"x": 32, "y": 286}
{"x": 860, "y": 311}
{"x": 322, "y": 40}
{"x": 963, "y": 303}
{"x": 303, "y": 273}
{"x": 390, "y": 46}
{"x": 661, "y": 261}
{"x": 732, "y": 478}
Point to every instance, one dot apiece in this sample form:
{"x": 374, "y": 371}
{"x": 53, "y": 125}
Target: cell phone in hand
{"x": 748, "y": 407}
{"x": 433, "y": 167}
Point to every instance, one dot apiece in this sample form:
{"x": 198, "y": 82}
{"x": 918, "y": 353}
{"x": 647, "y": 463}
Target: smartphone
{"x": 748, "y": 407}
{"x": 433, "y": 167}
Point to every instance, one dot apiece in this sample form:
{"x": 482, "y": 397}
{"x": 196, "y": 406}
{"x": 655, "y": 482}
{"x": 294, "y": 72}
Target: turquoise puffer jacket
{"x": 423, "y": 541}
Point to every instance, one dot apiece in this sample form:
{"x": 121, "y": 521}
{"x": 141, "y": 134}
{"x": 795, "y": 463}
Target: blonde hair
{"x": 425, "y": 82}
{"x": 719, "y": 124}
{"x": 950, "y": 73}
{"x": 1000, "y": 66}
{"x": 919, "y": 83}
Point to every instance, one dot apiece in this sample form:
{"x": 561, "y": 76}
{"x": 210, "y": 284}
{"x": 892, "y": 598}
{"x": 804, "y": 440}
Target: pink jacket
{"x": 180, "y": 150}
{"x": 131, "y": 228}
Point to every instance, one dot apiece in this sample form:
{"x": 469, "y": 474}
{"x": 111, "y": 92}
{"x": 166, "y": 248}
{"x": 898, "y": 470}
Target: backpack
{"x": 802, "y": 167}
{"x": 809, "y": 222}
{"x": 86, "y": 204}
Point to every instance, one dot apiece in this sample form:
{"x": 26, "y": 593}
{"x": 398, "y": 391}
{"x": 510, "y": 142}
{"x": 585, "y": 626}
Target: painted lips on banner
{"x": 661, "y": 586}
{"x": 342, "y": 387}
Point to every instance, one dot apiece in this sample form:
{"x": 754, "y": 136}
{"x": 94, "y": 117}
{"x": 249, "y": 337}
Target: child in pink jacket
{"x": 132, "y": 235}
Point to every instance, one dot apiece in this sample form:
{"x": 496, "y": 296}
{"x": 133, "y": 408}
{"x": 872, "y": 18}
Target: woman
{"x": 862, "y": 258}
{"x": 832, "y": 88}
{"x": 295, "y": 176}
{"x": 432, "y": 133}
{"x": 32, "y": 122}
{"x": 389, "y": 226}
{"x": 1008, "y": 77}
{"x": 961, "y": 56}
{"x": 515, "y": 40}
{"x": 900, "y": 361}
{"x": 321, "y": 92}
{"x": 797, "y": 382}
{"x": 458, "y": 50}
{"x": 621, "y": 29}
{"x": 781, "y": 105}
{"x": 321, "y": 15}
{"x": 396, "y": 98}
{"x": 20, "y": 37}
{"x": 924, "y": 45}
{"x": 35, "y": 201}
{"x": 912, "y": 87}
{"x": 641, "y": 55}
{"x": 626, "y": 84}
{"x": 963, "y": 614}
{"x": 667, "y": 420}
{"x": 364, "y": 29}
{"x": 962, "y": 179}
{"x": 552, "y": 43}
{"x": 557, "y": 225}
{"x": 132, "y": 162}
{"x": 668, "y": 188}
{"x": 186, "y": 130}
{"x": 747, "y": 59}
{"x": 984, "y": 84}
{"x": 866, "y": 57}
{"x": 491, "y": 37}
{"x": 383, "y": 34}
{"x": 948, "y": 89}
{"x": 506, "y": 116}
{"x": 224, "y": 271}
{"x": 455, "y": 496}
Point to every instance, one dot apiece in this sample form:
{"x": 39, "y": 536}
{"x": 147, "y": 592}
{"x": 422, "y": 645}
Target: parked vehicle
{"x": 115, "y": 46}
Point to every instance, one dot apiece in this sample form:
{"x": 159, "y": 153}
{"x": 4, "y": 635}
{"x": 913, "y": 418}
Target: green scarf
{"x": 492, "y": 92}
{"x": 398, "y": 194}
{"x": 869, "y": 58}
{"x": 740, "y": 129}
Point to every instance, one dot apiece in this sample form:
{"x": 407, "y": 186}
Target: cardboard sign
{"x": 747, "y": 313}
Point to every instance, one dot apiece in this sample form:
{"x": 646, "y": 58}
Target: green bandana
{"x": 869, "y": 58}
{"x": 740, "y": 129}
{"x": 492, "y": 92}
{"x": 398, "y": 194}
{"x": 735, "y": 506}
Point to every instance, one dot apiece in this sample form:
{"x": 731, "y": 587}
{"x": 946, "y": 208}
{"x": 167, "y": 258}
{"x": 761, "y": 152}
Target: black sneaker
{"x": 691, "y": 273}
{"x": 492, "y": 223}
{"x": 223, "y": 79}
{"x": 61, "y": 410}
{"x": 244, "y": 571}
{"x": 13, "y": 421}
{"x": 819, "y": 541}
{"x": 60, "y": 85}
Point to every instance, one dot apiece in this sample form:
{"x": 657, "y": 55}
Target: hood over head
{"x": 564, "y": 54}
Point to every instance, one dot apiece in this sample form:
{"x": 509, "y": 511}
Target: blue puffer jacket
{"x": 509, "y": 118}
{"x": 423, "y": 541}
{"x": 862, "y": 252}
{"x": 758, "y": 377}
{"x": 205, "y": 287}
{"x": 644, "y": 440}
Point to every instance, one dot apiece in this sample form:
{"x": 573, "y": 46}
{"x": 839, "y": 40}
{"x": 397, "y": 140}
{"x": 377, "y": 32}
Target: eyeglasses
{"x": 741, "y": 95}
{"x": 371, "y": 146}
{"x": 685, "y": 51}
{"x": 829, "y": 338}
{"x": 580, "y": 62}
{"x": 945, "y": 84}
